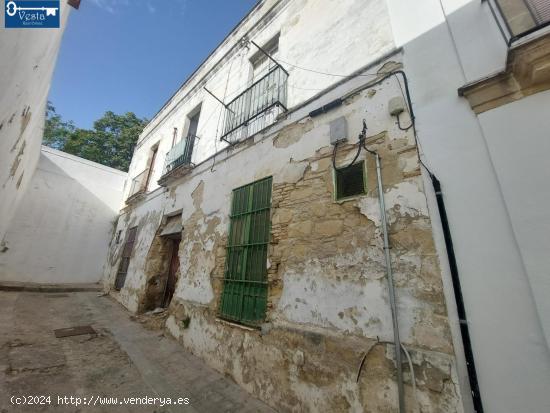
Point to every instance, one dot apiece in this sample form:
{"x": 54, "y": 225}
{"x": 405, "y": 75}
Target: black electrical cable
{"x": 360, "y": 145}
{"x": 464, "y": 330}
{"x": 401, "y": 127}
{"x": 409, "y": 105}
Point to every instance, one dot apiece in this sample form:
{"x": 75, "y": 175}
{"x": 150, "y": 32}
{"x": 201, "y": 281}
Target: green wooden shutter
{"x": 244, "y": 296}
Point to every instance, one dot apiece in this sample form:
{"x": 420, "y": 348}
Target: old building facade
{"x": 269, "y": 255}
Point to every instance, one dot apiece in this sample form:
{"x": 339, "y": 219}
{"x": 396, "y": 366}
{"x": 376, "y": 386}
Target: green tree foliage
{"x": 56, "y": 131}
{"x": 110, "y": 142}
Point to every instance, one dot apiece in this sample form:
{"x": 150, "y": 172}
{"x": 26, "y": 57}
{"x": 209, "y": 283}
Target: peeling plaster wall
{"x": 348, "y": 34}
{"x": 61, "y": 230}
{"x": 26, "y": 68}
{"x": 147, "y": 217}
{"x": 327, "y": 299}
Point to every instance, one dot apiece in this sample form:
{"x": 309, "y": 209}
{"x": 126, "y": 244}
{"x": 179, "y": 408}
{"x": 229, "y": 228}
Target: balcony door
{"x": 264, "y": 87}
{"x": 191, "y": 135}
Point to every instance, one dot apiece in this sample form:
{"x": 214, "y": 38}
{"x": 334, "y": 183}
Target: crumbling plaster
{"x": 327, "y": 302}
{"x": 348, "y": 35}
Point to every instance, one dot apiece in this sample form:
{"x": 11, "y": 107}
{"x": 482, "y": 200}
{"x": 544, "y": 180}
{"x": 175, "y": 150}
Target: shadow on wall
{"x": 61, "y": 231}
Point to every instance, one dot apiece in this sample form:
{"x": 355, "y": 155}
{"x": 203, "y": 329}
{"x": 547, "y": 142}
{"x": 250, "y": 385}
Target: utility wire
{"x": 408, "y": 108}
{"x": 325, "y": 73}
{"x": 219, "y": 117}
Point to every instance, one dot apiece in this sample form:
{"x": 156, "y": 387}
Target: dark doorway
{"x": 172, "y": 273}
{"x": 125, "y": 259}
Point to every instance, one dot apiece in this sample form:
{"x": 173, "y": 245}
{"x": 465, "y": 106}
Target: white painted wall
{"x": 62, "y": 228}
{"x": 478, "y": 160}
{"x": 26, "y": 66}
{"x": 518, "y": 139}
{"x": 335, "y": 37}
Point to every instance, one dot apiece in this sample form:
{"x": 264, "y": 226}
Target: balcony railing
{"x": 138, "y": 185}
{"x": 180, "y": 154}
{"x": 257, "y": 107}
{"x": 518, "y": 18}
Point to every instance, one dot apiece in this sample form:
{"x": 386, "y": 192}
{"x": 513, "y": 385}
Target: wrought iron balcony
{"x": 178, "y": 158}
{"x": 138, "y": 186}
{"x": 256, "y": 107}
{"x": 519, "y": 18}
{"x": 180, "y": 154}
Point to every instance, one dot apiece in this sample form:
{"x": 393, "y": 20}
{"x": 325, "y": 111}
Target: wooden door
{"x": 172, "y": 274}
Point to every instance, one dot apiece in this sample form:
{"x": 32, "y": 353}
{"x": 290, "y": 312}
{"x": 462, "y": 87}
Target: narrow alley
{"x": 122, "y": 360}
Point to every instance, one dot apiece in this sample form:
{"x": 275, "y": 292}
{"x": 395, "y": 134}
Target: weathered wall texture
{"x": 26, "y": 66}
{"x": 61, "y": 230}
{"x": 147, "y": 217}
{"x": 336, "y": 37}
{"x": 327, "y": 301}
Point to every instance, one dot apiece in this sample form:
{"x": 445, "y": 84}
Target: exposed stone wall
{"x": 322, "y": 253}
{"x": 328, "y": 305}
{"x": 334, "y": 37}
{"x": 147, "y": 218}
{"x": 156, "y": 272}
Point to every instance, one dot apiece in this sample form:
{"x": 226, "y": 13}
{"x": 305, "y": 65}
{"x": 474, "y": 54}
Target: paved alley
{"x": 123, "y": 360}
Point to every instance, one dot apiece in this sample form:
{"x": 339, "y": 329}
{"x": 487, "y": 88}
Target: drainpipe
{"x": 461, "y": 310}
{"x": 391, "y": 288}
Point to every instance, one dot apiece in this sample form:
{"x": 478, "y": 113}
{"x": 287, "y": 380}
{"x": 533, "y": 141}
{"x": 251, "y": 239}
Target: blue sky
{"x": 132, "y": 55}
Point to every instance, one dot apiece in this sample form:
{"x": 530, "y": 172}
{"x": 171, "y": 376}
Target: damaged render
{"x": 327, "y": 302}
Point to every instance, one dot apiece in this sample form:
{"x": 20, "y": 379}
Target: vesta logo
{"x": 29, "y": 14}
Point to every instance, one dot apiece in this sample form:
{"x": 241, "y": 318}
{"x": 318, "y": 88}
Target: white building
{"x": 57, "y": 211}
{"x": 478, "y": 77}
{"x": 26, "y": 68}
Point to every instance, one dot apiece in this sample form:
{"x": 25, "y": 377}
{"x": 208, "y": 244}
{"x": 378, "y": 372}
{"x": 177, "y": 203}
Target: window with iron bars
{"x": 350, "y": 182}
{"x": 125, "y": 259}
{"x": 182, "y": 151}
{"x": 244, "y": 296}
{"x": 257, "y": 107}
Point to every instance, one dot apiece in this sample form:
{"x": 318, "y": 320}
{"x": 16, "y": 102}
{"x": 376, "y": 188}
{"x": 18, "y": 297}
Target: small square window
{"x": 350, "y": 181}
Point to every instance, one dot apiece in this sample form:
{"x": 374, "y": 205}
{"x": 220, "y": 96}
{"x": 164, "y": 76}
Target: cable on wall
{"x": 361, "y": 138}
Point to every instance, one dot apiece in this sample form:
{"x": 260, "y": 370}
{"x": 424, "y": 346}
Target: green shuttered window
{"x": 244, "y": 296}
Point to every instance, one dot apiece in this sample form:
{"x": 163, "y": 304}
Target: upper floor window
{"x": 261, "y": 64}
{"x": 182, "y": 151}
{"x": 521, "y": 17}
{"x": 140, "y": 183}
{"x": 262, "y": 101}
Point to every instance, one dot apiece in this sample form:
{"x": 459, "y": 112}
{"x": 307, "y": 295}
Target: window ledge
{"x": 241, "y": 326}
{"x": 527, "y": 72}
{"x": 136, "y": 197}
{"x": 176, "y": 173}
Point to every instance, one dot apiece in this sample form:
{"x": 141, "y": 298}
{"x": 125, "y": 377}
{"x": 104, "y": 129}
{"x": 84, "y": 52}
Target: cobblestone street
{"x": 122, "y": 360}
